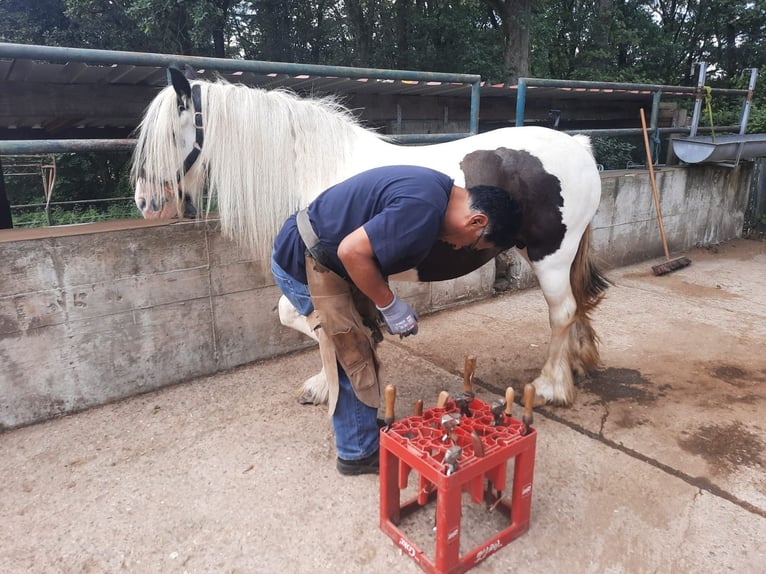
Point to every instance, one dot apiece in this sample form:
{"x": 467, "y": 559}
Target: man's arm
{"x": 358, "y": 257}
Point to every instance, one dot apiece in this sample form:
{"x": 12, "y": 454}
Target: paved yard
{"x": 658, "y": 467}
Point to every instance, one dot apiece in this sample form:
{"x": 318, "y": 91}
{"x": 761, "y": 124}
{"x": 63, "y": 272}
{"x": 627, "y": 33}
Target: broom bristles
{"x": 672, "y": 265}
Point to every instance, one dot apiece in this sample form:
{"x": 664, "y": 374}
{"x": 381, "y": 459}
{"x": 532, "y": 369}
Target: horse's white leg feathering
{"x": 289, "y": 317}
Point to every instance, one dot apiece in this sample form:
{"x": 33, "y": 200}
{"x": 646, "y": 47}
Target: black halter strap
{"x": 199, "y": 131}
{"x": 199, "y": 138}
{"x": 192, "y": 156}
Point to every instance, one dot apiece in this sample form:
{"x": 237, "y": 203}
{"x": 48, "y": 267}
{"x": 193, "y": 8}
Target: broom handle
{"x": 654, "y": 185}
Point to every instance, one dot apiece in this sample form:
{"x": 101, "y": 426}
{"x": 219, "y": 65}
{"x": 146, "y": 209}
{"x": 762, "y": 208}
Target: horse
{"x": 263, "y": 154}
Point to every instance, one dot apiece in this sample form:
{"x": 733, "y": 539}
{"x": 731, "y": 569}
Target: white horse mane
{"x": 267, "y": 151}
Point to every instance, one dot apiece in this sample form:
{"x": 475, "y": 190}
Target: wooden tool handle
{"x": 509, "y": 396}
{"x": 390, "y": 398}
{"x": 529, "y": 402}
{"x": 418, "y": 408}
{"x": 468, "y": 371}
{"x": 478, "y": 447}
{"x": 442, "y": 400}
{"x": 654, "y": 186}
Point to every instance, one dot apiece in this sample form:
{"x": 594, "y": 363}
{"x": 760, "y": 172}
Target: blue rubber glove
{"x": 400, "y": 318}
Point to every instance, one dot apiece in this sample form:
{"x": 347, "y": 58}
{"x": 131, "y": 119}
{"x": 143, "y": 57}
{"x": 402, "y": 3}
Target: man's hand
{"x": 400, "y": 318}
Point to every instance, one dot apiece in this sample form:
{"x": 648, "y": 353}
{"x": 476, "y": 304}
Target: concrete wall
{"x": 701, "y": 205}
{"x": 91, "y": 314}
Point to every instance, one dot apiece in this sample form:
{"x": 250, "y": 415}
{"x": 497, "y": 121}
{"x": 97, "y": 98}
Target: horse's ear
{"x": 180, "y": 83}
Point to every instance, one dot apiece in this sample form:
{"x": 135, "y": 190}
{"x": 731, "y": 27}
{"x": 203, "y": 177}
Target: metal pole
{"x": 698, "y": 101}
{"x": 585, "y": 85}
{"x": 655, "y": 140}
{"x": 748, "y": 100}
{"x": 25, "y": 147}
{"x": 475, "y": 97}
{"x": 521, "y": 100}
{"x": 108, "y": 57}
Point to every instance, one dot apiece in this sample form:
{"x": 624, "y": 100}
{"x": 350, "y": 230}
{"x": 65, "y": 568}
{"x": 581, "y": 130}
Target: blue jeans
{"x": 355, "y": 424}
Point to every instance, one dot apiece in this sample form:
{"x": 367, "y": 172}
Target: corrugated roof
{"x": 48, "y": 97}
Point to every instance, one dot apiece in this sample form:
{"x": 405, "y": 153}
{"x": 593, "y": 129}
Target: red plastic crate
{"x": 418, "y": 444}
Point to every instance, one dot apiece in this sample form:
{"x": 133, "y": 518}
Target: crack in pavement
{"x": 698, "y": 482}
{"x": 603, "y": 419}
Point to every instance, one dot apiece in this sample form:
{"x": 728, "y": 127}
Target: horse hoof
{"x": 306, "y": 399}
{"x": 545, "y": 395}
{"x": 539, "y": 401}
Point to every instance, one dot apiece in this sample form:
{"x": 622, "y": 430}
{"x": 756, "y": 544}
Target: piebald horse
{"x": 263, "y": 154}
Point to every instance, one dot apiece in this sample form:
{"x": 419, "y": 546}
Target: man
{"x": 332, "y": 262}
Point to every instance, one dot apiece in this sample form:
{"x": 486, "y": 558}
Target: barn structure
{"x": 93, "y": 313}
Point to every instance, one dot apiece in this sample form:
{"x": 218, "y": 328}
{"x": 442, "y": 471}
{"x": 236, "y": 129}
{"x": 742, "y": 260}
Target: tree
{"x": 46, "y": 24}
{"x": 513, "y": 18}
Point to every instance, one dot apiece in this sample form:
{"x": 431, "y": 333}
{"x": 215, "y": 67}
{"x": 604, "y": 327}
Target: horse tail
{"x": 589, "y": 286}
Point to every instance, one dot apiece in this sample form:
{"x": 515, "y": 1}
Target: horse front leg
{"x": 555, "y": 383}
{"x": 315, "y": 390}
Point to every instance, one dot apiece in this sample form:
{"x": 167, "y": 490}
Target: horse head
{"x": 166, "y": 173}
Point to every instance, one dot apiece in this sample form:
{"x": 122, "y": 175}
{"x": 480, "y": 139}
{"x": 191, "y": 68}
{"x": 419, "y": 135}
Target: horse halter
{"x": 199, "y": 132}
{"x": 193, "y": 155}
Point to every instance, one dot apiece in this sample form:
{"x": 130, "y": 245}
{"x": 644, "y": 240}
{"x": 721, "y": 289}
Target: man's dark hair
{"x": 503, "y": 211}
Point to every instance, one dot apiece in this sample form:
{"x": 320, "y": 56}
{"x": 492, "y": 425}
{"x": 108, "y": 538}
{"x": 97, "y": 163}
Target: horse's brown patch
{"x": 539, "y": 193}
{"x": 522, "y": 175}
{"x": 622, "y": 384}
{"x": 725, "y": 446}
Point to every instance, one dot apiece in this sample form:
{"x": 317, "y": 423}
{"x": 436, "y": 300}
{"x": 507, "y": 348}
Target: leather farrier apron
{"x": 344, "y": 335}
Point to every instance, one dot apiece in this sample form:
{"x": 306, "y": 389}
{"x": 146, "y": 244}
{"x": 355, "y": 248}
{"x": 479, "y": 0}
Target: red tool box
{"x": 456, "y": 449}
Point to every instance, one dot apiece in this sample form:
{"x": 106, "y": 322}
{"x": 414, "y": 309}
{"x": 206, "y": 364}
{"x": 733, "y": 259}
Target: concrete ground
{"x": 658, "y": 466}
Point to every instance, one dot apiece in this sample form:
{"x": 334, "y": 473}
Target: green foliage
{"x": 627, "y": 41}
{"x": 79, "y": 176}
{"x": 613, "y": 153}
{"x": 757, "y": 121}
{"x": 46, "y": 24}
{"x": 79, "y": 213}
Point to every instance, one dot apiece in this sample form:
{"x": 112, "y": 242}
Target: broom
{"x": 670, "y": 265}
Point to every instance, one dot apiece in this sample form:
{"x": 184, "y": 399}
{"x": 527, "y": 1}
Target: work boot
{"x": 367, "y": 465}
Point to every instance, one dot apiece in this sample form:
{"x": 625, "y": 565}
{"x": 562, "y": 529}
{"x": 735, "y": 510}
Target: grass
{"x": 78, "y": 213}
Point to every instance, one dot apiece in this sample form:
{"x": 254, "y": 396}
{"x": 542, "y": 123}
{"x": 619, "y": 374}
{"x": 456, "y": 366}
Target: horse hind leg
{"x": 589, "y": 286}
{"x": 315, "y": 389}
{"x": 573, "y": 287}
{"x": 555, "y": 383}
{"x": 584, "y": 345}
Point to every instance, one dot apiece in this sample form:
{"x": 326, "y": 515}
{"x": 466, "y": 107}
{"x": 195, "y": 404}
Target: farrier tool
{"x": 390, "y": 400}
{"x": 529, "y": 401}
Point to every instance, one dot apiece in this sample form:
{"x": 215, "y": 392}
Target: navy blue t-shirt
{"x": 401, "y": 208}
